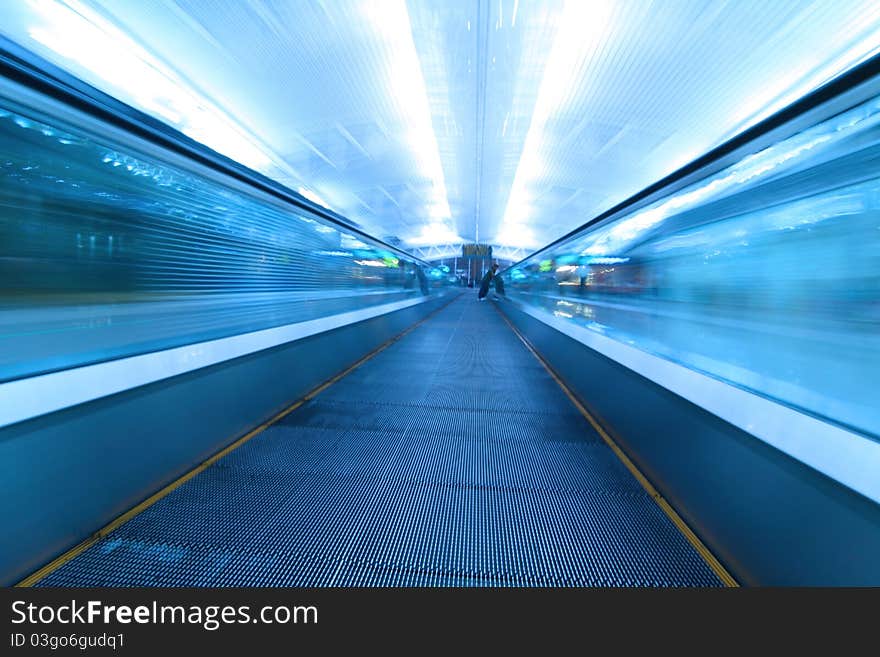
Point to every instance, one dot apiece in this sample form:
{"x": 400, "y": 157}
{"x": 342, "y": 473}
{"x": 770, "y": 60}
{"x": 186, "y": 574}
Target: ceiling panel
{"x": 437, "y": 121}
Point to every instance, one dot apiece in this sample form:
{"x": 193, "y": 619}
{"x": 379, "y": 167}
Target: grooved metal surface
{"x": 451, "y": 458}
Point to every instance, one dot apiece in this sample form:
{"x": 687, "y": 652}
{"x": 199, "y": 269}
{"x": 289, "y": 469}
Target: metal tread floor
{"x": 451, "y": 458}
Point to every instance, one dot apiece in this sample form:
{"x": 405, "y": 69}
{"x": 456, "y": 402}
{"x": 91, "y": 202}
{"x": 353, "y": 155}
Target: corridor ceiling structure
{"x": 435, "y": 122}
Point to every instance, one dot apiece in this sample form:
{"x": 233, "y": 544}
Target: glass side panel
{"x": 107, "y": 252}
{"x": 765, "y": 275}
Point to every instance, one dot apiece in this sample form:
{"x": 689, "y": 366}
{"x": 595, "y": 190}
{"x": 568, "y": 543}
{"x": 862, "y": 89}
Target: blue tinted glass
{"x": 765, "y": 275}
{"x": 107, "y": 251}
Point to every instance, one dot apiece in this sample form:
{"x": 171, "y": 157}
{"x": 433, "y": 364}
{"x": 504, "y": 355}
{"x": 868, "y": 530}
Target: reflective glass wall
{"x": 765, "y": 274}
{"x": 108, "y": 248}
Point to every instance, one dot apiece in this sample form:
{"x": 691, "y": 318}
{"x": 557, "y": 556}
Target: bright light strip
{"x": 390, "y": 20}
{"x": 580, "y": 24}
{"x": 516, "y": 236}
{"x": 72, "y": 30}
{"x": 432, "y": 234}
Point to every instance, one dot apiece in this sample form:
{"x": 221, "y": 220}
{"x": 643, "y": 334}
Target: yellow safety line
{"x": 725, "y": 577}
{"x": 35, "y": 577}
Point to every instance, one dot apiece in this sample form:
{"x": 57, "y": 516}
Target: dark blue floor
{"x": 451, "y": 458}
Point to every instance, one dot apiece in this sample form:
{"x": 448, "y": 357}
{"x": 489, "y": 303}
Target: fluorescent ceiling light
{"x": 432, "y": 234}
{"x": 580, "y": 25}
{"x": 390, "y": 20}
{"x": 516, "y": 235}
{"x": 97, "y": 48}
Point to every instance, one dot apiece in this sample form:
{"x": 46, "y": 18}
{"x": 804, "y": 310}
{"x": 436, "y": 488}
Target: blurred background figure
{"x": 487, "y": 281}
{"x": 499, "y": 286}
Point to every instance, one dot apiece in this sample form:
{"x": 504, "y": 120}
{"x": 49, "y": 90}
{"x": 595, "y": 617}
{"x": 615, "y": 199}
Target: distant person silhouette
{"x": 487, "y": 280}
{"x": 499, "y": 286}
